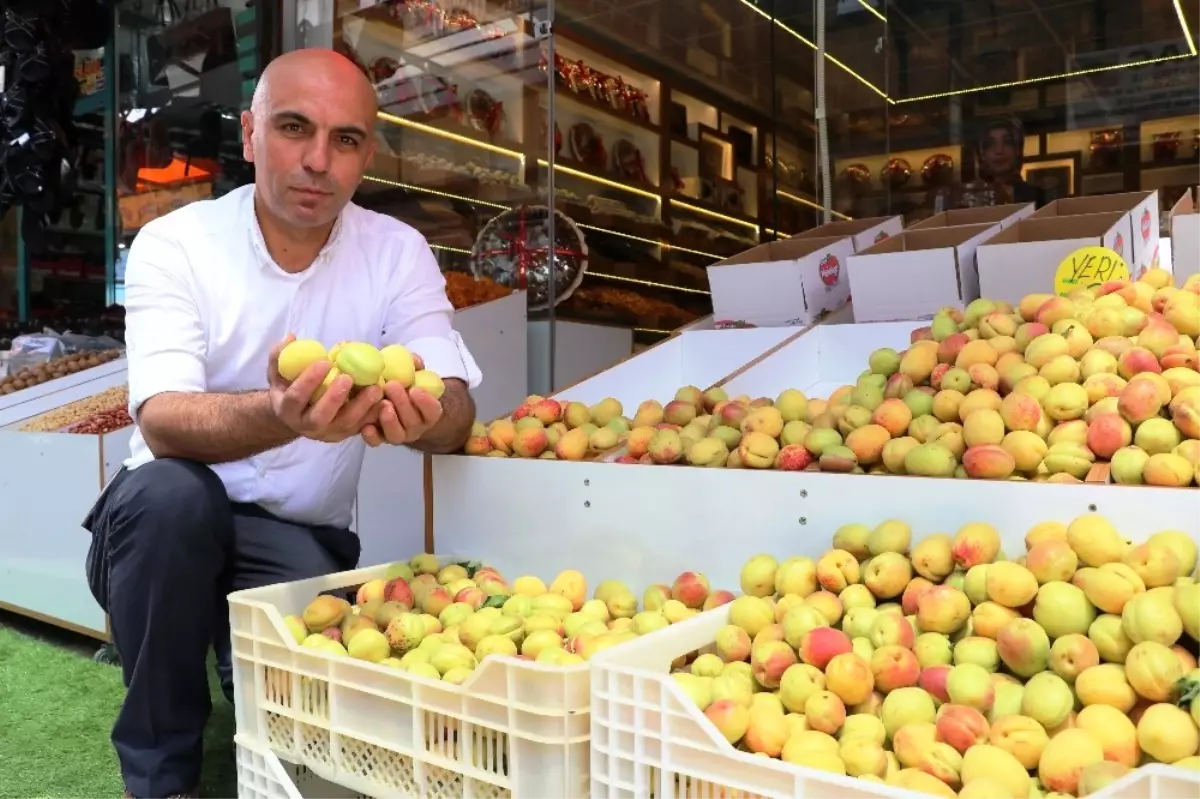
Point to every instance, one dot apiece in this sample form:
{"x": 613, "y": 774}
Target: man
{"x": 237, "y": 479}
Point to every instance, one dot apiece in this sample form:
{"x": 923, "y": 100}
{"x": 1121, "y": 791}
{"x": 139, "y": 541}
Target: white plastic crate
{"x": 514, "y": 728}
{"x": 261, "y": 775}
{"x": 650, "y": 740}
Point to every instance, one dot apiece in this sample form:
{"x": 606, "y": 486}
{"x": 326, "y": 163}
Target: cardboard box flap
{"x": 792, "y": 249}
{"x": 1094, "y": 204}
{"x": 975, "y": 216}
{"x": 912, "y": 275}
{"x": 1057, "y": 228}
{"x": 842, "y": 228}
{"x": 929, "y": 239}
{"x": 1186, "y": 204}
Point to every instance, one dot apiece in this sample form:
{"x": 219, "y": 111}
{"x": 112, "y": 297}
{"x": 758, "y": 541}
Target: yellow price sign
{"x": 1089, "y": 267}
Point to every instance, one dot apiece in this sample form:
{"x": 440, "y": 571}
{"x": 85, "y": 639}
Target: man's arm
{"x": 167, "y": 350}
{"x": 451, "y": 431}
{"x": 211, "y": 428}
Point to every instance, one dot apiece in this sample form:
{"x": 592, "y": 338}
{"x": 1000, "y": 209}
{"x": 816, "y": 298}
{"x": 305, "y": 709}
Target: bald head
{"x": 310, "y": 134}
{"x": 314, "y": 69}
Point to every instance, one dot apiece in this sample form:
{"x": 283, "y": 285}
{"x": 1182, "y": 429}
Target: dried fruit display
{"x": 59, "y": 367}
{"x": 78, "y": 411}
{"x": 627, "y": 305}
{"x": 465, "y": 291}
{"x": 941, "y": 667}
{"x": 441, "y": 621}
{"x": 103, "y": 422}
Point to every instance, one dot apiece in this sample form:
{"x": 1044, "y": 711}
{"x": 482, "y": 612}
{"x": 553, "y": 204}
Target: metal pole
{"x": 550, "y": 159}
{"x": 112, "y": 210}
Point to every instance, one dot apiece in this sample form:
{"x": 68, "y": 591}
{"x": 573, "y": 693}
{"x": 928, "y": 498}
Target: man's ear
{"x": 247, "y": 122}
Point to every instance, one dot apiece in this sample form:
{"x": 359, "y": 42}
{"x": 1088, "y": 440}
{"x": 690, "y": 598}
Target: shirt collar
{"x": 260, "y": 243}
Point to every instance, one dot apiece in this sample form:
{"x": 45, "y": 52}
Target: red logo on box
{"x": 830, "y": 269}
{"x": 1146, "y": 225}
{"x": 880, "y": 236}
{"x": 1119, "y": 245}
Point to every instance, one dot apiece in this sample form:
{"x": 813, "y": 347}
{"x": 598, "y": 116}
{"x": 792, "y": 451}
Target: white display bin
{"x": 693, "y": 357}
{"x": 48, "y": 482}
{"x": 390, "y": 512}
{"x": 612, "y": 510}
{"x": 53, "y": 394}
{"x": 650, "y": 739}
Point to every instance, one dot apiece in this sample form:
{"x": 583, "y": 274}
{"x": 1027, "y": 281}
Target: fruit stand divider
{"x": 390, "y": 512}
{"x": 48, "y": 481}
{"x": 641, "y": 522}
{"x": 580, "y": 348}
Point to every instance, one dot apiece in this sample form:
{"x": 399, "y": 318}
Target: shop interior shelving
{"x": 660, "y": 187}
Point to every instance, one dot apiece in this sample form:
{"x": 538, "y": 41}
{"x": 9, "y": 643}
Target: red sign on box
{"x": 830, "y": 270}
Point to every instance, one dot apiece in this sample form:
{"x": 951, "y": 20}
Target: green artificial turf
{"x": 56, "y": 713}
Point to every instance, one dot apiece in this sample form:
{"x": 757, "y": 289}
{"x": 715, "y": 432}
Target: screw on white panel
{"x": 803, "y": 520}
{"x": 1092, "y": 507}
{"x": 803, "y": 493}
{"x": 587, "y": 503}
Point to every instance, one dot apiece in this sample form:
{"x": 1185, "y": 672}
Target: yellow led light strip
{"x": 1032, "y": 81}
{"x": 1074, "y": 73}
{"x": 445, "y": 134}
{"x": 872, "y": 9}
{"x": 435, "y": 192}
{"x": 653, "y": 330}
{"x": 812, "y": 204}
{"x": 715, "y": 215}
{"x": 458, "y": 250}
{"x": 489, "y": 204}
{"x": 649, "y": 283}
{"x": 800, "y": 37}
{"x": 566, "y": 170}
{"x": 662, "y": 244}
{"x": 1192, "y": 53}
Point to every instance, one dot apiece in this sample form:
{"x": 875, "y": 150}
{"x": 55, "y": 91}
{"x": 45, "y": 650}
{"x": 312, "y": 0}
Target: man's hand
{"x": 332, "y": 418}
{"x": 404, "y": 415}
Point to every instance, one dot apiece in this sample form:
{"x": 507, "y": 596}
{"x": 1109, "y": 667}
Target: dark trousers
{"x": 167, "y": 548}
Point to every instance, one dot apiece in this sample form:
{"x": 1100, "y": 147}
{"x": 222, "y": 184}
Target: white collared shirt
{"x": 205, "y": 302}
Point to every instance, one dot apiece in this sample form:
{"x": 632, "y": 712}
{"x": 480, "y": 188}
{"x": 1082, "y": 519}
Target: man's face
{"x": 999, "y": 153}
{"x": 310, "y": 144}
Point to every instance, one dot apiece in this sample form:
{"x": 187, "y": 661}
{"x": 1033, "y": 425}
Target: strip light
{"x": 445, "y": 134}
{"x": 458, "y": 250}
{"x": 566, "y": 170}
{"x": 840, "y": 64}
{"x": 1192, "y": 53}
{"x": 487, "y": 203}
{"x": 715, "y": 215}
{"x": 649, "y": 283}
{"x": 872, "y": 9}
{"x": 796, "y": 199}
{"x": 437, "y": 193}
{"x": 663, "y": 244}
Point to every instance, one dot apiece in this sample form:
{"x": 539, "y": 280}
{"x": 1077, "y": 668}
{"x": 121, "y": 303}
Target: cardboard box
{"x": 1022, "y": 258}
{"x": 1185, "y": 235}
{"x": 1138, "y": 246}
{"x": 864, "y": 232}
{"x": 782, "y": 283}
{"x": 912, "y": 275}
{"x": 1002, "y": 215}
